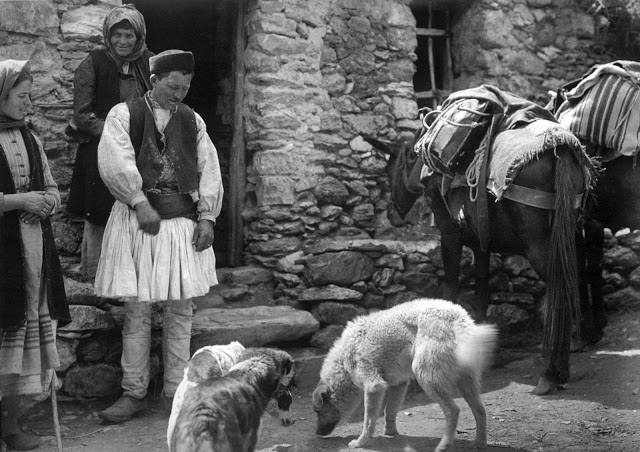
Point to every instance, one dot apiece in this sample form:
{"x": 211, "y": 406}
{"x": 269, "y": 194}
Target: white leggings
{"x": 136, "y": 345}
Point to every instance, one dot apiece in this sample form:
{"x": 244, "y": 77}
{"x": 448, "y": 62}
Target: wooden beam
{"x": 438, "y": 93}
{"x": 54, "y": 105}
{"x": 432, "y": 69}
{"x": 432, "y": 32}
{"x": 237, "y": 164}
{"x": 449, "y": 71}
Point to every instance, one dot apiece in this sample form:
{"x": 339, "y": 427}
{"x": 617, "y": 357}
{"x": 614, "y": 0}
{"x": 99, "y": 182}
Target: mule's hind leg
{"x": 395, "y": 397}
{"x": 450, "y": 410}
{"x": 373, "y": 396}
{"x": 469, "y": 389}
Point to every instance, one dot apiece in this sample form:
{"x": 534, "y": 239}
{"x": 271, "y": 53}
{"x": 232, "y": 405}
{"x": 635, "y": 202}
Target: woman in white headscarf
{"x": 115, "y": 73}
{"x": 32, "y": 296}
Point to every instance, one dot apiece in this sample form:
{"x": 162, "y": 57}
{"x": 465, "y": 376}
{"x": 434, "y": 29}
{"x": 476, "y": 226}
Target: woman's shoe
{"x": 22, "y": 441}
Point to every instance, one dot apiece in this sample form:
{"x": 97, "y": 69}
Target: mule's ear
{"x": 386, "y": 147}
{"x": 318, "y": 396}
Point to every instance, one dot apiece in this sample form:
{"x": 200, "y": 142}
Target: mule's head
{"x": 403, "y": 168}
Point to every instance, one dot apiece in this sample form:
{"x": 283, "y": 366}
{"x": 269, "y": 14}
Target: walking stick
{"x": 3, "y": 446}
{"x": 54, "y": 405}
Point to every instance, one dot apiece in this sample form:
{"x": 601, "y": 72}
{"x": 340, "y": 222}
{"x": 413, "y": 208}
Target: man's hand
{"x": 203, "y": 235}
{"x": 148, "y": 218}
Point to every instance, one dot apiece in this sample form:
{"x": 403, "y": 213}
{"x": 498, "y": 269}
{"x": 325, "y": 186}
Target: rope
{"x": 424, "y": 146}
{"x": 473, "y": 171}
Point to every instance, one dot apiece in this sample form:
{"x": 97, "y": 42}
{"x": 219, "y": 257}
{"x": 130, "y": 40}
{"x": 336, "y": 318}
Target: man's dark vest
{"x": 13, "y": 303}
{"x": 181, "y": 135}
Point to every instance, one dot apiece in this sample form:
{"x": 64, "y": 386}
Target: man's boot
{"x": 123, "y": 409}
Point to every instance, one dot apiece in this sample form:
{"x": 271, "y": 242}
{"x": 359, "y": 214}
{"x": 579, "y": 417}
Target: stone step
{"x": 252, "y": 326}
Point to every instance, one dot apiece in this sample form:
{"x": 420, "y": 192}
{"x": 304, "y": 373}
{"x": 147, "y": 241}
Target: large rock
{"x": 621, "y": 259}
{"x": 249, "y": 275}
{"x": 33, "y": 18}
{"x": 343, "y": 268}
{"x": 330, "y": 293}
{"x": 97, "y": 380}
{"x": 256, "y": 326}
{"x": 89, "y": 318}
{"x": 331, "y": 313}
{"x": 80, "y": 293}
{"x": 85, "y": 23}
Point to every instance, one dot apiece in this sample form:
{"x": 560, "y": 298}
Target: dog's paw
{"x": 390, "y": 428}
{"x": 480, "y": 444}
{"x": 356, "y": 443}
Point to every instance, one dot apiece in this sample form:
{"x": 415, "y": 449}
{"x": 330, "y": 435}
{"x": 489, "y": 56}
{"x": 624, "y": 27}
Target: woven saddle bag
{"x": 453, "y": 135}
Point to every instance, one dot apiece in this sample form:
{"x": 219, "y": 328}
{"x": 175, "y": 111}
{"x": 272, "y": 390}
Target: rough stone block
{"x": 256, "y": 326}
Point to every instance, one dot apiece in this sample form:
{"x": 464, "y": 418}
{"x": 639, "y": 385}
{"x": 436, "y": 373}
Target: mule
{"x": 550, "y": 239}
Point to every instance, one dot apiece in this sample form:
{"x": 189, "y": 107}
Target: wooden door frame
{"x": 237, "y": 161}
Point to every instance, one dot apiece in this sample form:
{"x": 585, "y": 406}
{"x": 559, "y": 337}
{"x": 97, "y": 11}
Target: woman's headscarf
{"x": 10, "y": 70}
{"x": 135, "y": 18}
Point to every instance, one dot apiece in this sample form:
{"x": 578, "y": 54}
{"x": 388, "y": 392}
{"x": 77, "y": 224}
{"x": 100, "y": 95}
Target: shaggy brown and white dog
{"x": 432, "y": 341}
{"x": 207, "y": 362}
{"x": 223, "y": 414}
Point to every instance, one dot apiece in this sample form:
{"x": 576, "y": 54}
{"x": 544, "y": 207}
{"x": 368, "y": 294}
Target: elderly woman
{"x": 115, "y": 73}
{"x": 32, "y": 293}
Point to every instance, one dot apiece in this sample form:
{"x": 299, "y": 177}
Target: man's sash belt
{"x": 173, "y": 205}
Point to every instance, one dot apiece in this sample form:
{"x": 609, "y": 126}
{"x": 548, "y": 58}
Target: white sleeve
{"x": 210, "y": 190}
{"x": 117, "y": 158}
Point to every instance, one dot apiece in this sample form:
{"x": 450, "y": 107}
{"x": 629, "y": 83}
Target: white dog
{"x": 433, "y": 341}
{"x": 206, "y": 363}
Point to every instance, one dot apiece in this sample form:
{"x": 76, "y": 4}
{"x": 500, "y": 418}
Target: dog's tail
{"x": 474, "y": 350}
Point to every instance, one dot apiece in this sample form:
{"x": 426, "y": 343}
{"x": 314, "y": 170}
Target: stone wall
{"x": 320, "y": 76}
{"x": 528, "y": 47}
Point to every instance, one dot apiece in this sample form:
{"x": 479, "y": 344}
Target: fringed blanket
{"x": 604, "y": 108}
{"x": 514, "y": 148}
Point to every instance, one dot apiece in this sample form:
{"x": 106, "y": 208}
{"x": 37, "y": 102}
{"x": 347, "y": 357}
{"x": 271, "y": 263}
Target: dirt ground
{"x": 599, "y": 411}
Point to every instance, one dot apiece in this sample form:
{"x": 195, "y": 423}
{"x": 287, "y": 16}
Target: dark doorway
{"x": 206, "y": 28}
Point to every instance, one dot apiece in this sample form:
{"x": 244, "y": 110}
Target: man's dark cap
{"x": 172, "y": 60}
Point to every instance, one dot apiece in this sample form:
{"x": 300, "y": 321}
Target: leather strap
{"x": 537, "y": 198}
{"x": 482, "y": 205}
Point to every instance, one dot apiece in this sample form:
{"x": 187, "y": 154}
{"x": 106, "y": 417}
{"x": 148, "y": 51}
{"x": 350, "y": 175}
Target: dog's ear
{"x": 318, "y": 396}
{"x": 287, "y": 371}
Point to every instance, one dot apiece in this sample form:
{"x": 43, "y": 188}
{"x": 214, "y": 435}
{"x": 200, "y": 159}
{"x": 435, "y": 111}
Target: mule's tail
{"x": 474, "y": 350}
{"x": 563, "y": 296}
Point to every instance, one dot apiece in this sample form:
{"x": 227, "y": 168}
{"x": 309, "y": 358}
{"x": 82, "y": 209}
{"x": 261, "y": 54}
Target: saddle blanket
{"x": 532, "y": 138}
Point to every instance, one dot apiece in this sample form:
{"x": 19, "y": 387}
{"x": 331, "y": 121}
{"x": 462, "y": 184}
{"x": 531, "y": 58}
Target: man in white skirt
{"x": 160, "y": 165}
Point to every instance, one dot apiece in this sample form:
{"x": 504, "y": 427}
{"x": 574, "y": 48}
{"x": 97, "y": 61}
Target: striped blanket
{"x": 604, "y": 108}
